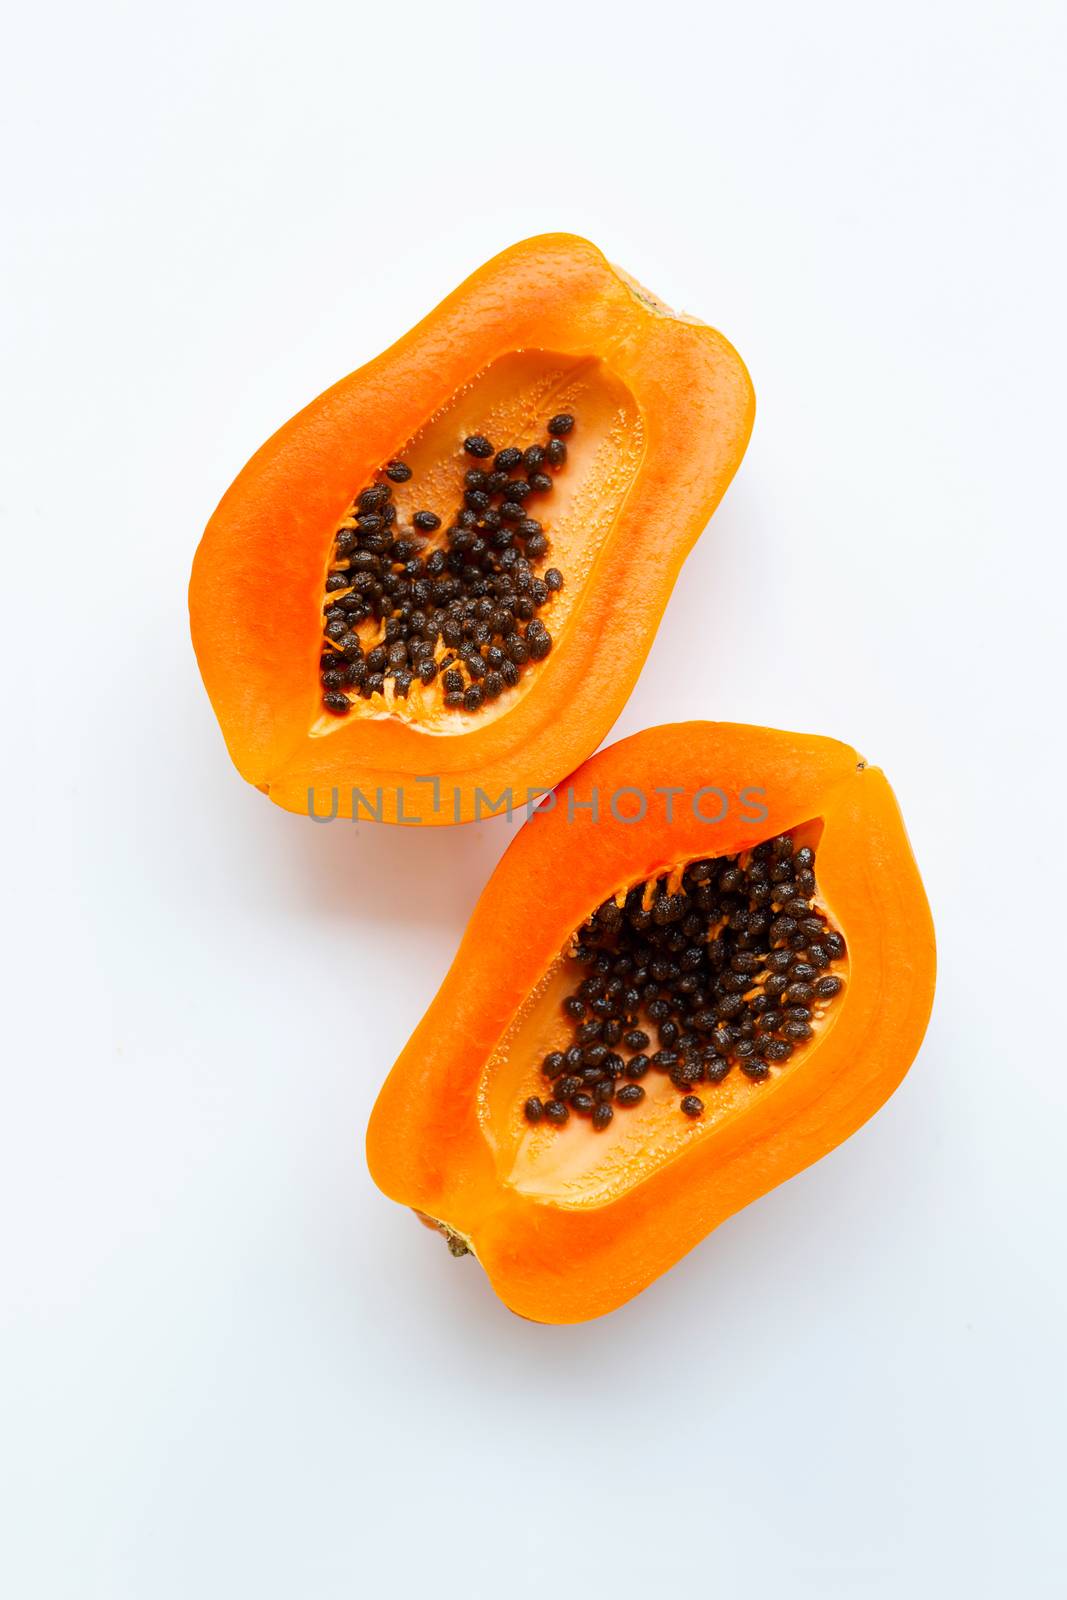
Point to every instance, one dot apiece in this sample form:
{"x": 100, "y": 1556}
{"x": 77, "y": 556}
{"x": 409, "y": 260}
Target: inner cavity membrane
{"x": 578, "y": 1165}
{"x": 510, "y": 403}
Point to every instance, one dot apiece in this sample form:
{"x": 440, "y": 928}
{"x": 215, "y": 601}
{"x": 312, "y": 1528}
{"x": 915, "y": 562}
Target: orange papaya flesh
{"x": 569, "y": 1221}
{"x": 662, "y": 410}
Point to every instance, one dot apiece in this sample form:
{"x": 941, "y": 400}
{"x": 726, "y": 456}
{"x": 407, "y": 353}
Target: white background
{"x": 231, "y": 1367}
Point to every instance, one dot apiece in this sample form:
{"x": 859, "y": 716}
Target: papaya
{"x": 704, "y": 962}
{"x": 452, "y": 564}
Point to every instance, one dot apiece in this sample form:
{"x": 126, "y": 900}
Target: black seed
{"x": 428, "y": 521}
{"x": 583, "y": 1103}
{"x": 692, "y": 1105}
{"x": 800, "y": 993}
{"x": 365, "y": 561}
{"x": 560, "y": 424}
{"x": 508, "y": 458}
{"x": 556, "y": 1111}
{"x": 754, "y": 1068}
{"x": 775, "y": 1050}
{"x": 478, "y": 445}
{"x": 474, "y": 697}
{"x": 533, "y": 1110}
{"x": 336, "y": 702}
{"x": 826, "y": 988}
{"x": 373, "y": 499}
{"x": 553, "y": 1064}
{"x": 630, "y": 1094}
{"x": 602, "y": 1115}
{"x": 399, "y": 471}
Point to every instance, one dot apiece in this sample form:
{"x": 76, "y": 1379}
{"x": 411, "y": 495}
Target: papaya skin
{"x": 438, "y": 1140}
{"x": 684, "y": 404}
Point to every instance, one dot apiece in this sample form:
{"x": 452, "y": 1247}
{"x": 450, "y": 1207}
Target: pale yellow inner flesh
{"x": 576, "y": 1165}
{"x": 510, "y": 403}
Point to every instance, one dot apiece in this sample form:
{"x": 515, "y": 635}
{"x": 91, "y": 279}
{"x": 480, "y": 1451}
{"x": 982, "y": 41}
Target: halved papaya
{"x": 701, "y": 969}
{"x": 452, "y": 563}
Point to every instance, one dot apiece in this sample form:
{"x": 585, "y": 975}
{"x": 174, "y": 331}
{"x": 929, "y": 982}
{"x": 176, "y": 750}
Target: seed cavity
{"x": 724, "y": 965}
{"x": 454, "y": 618}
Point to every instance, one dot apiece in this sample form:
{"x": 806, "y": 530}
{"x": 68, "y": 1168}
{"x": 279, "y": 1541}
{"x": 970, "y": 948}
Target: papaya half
{"x": 705, "y": 964}
{"x": 452, "y": 563}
